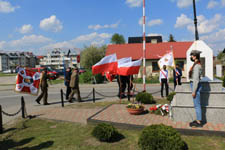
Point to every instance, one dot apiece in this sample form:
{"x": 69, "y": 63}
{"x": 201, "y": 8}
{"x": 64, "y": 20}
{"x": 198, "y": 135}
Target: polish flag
{"x": 129, "y": 68}
{"x": 124, "y": 60}
{"x": 106, "y": 64}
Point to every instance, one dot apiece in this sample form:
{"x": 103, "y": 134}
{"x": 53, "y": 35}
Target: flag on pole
{"x": 124, "y": 60}
{"x": 27, "y": 81}
{"x": 167, "y": 60}
{"x": 129, "y": 68}
{"x": 106, "y": 64}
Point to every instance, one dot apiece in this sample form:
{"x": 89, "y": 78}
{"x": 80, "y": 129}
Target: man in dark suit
{"x": 177, "y": 74}
{"x": 67, "y": 82}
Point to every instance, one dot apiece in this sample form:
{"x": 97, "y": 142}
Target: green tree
{"x": 117, "y": 39}
{"x": 221, "y": 57}
{"x": 171, "y": 38}
{"x": 91, "y": 55}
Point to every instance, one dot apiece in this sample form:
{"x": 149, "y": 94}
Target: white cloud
{"x": 215, "y": 40}
{"x": 92, "y": 38}
{"x": 51, "y": 24}
{"x": 134, "y": 3}
{"x": 97, "y": 27}
{"x": 154, "y": 22}
{"x": 6, "y": 7}
{"x": 2, "y": 44}
{"x": 212, "y": 4}
{"x": 182, "y": 21}
{"x": 154, "y": 34}
{"x": 223, "y": 2}
{"x": 151, "y": 22}
{"x": 184, "y": 3}
{"x": 204, "y": 25}
{"x": 27, "y": 28}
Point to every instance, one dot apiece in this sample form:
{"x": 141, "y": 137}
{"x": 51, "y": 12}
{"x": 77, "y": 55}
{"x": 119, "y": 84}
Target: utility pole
{"x": 195, "y": 22}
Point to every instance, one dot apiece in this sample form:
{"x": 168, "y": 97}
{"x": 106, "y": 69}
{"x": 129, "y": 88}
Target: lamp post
{"x": 195, "y": 22}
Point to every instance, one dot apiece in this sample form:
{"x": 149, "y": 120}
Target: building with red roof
{"x": 154, "y": 51}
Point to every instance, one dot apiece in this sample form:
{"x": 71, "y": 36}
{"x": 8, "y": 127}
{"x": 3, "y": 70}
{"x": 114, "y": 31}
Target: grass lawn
{"x": 36, "y": 134}
{"x": 7, "y": 74}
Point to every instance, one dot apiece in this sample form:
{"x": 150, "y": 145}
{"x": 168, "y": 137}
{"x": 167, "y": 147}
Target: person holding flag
{"x": 163, "y": 79}
{"x": 177, "y": 74}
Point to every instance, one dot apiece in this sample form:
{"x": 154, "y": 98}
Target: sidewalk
{"x": 117, "y": 115}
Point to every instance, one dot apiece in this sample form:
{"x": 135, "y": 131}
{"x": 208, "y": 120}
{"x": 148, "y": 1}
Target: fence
{"x": 22, "y": 110}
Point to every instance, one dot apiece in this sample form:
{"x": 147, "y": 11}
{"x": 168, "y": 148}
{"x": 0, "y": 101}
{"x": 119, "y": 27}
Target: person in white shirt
{"x": 163, "y": 79}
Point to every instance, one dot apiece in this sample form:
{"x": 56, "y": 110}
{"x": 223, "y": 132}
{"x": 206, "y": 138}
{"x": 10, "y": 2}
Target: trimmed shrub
{"x": 161, "y": 137}
{"x": 145, "y": 98}
{"x": 105, "y": 132}
{"x": 170, "y": 96}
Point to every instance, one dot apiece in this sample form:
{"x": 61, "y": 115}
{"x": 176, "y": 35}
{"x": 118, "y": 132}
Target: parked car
{"x": 53, "y": 74}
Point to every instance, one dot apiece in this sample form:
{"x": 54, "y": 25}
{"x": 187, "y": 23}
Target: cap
{"x": 195, "y": 52}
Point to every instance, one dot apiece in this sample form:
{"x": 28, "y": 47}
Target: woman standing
{"x": 194, "y": 76}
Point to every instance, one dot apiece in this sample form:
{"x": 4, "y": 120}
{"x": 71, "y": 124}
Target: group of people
{"x": 71, "y": 83}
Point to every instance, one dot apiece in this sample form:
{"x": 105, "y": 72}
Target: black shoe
{"x": 195, "y": 124}
{"x": 38, "y": 101}
{"x": 70, "y": 101}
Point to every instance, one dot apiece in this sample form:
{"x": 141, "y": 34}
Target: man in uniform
{"x": 44, "y": 87}
{"x": 177, "y": 74}
{"x": 74, "y": 84}
{"x": 163, "y": 79}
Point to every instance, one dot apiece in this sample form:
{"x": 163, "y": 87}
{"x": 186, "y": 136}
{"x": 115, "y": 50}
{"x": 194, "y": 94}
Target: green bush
{"x": 145, "y": 98}
{"x": 86, "y": 77}
{"x": 170, "y": 96}
{"x": 105, "y": 132}
{"x": 161, "y": 137}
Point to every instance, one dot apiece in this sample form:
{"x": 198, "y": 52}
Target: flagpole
{"x": 144, "y": 48}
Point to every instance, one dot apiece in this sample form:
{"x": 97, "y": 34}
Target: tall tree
{"x": 171, "y": 38}
{"x": 91, "y": 55}
{"x": 117, "y": 39}
{"x": 221, "y": 57}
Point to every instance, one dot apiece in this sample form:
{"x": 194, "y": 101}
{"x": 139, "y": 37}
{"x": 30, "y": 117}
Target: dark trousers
{"x": 75, "y": 91}
{"x": 44, "y": 95}
{"x": 176, "y": 82}
{"x": 68, "y": 90}
{"x": 164, "y": 82}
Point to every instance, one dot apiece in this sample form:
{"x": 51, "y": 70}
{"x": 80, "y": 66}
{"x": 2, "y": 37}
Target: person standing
{"x": 163, "y": 79}
{"x": 74, "y": 84}
{"x": 44, "y": 87}
{"x": 67, "y": 82}
{"x": 194, "y": 75}
{"x": 177, "y": 74}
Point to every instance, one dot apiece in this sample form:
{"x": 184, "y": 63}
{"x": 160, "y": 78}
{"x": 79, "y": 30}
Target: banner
{"x": 27, "y": 81}
{"x": 167, "y": 60}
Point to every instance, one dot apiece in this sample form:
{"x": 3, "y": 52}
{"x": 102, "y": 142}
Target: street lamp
{"x": 195, "y": 22}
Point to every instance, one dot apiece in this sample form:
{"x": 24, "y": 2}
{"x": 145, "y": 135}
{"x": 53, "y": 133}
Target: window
{"x": 155, "y": 66}
{"x": 181, "y": 64}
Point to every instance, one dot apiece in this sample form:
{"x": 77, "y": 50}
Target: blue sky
{"x": 39, "y": 26}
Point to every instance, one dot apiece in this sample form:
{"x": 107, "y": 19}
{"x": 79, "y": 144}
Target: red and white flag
{"x": 106, "y": 64}
{"x": 124, "y": 60}
{"x": 167, "y": 60}
{"x": 27, "y": 81}
{"x": 129, "y": 68}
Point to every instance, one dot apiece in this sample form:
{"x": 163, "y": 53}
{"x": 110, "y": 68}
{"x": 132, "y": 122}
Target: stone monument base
{"x": 212, "y": 101}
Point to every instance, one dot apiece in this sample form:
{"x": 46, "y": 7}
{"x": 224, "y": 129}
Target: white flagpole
{"x": 144, "y": 48}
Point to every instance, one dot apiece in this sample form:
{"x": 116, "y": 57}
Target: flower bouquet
{"x": 159, "y": 109}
